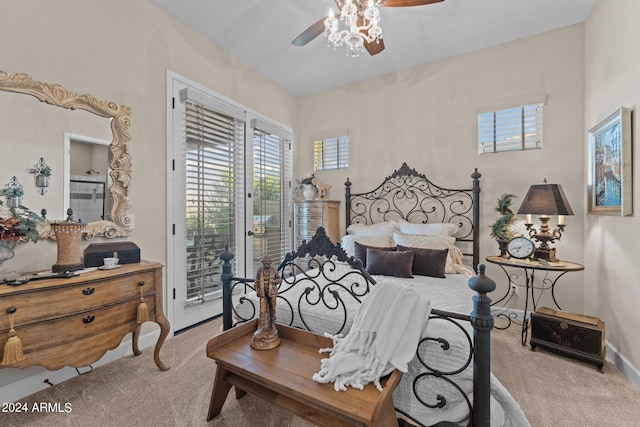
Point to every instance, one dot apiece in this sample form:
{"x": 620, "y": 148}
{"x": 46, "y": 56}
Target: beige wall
{"x": 612, "y": 64}
{"x": 427, "y": 116}
{"x": 120, "y": 50}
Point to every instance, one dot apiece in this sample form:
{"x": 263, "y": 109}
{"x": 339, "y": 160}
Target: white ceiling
{"x": 259, "y": 32}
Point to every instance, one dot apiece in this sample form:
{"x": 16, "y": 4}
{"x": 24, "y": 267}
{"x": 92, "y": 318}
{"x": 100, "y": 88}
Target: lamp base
{"x": 546, "y": 254}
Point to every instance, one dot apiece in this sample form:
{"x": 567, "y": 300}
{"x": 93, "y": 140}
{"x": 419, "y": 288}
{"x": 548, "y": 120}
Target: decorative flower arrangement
{"x": 307, "y": 179}
{"x": 18, "y": 224}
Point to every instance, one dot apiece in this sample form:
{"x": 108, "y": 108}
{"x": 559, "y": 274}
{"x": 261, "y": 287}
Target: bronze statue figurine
{"x": 267, "y": 282}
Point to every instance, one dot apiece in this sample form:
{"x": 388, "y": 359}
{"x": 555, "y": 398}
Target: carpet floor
{"x": 551, "y": 389}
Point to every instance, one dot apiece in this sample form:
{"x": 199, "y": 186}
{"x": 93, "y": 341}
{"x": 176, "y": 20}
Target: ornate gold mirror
{"x": 119, "y": 222}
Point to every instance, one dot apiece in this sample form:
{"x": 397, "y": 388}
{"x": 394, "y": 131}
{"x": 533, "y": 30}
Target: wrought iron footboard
{"x": 312, "y": 278}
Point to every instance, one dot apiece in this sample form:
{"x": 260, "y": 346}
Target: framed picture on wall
{"x": 609, "y": 178}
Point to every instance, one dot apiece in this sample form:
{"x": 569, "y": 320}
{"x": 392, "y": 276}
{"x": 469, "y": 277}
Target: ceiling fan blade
{"x": 310, "y": 33}
{"x": 374, "y": 48}
{"x": 406, "y": 3}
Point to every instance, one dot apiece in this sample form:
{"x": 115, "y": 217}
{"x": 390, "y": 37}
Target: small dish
{"x": 111, "y": 267}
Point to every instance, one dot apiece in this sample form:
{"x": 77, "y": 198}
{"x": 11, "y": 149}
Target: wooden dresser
{"x": 74, "y": 321}
{"x": 310, "y": 214}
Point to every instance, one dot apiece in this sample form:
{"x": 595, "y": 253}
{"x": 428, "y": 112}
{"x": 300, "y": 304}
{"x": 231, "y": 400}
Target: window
{"x": 331, "y": 153}
{"x": 515, "y": 128}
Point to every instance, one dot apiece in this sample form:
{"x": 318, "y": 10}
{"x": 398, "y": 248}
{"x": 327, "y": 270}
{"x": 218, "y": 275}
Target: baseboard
{"x": 622, "y": 363}
{"x": 34, "y": 379}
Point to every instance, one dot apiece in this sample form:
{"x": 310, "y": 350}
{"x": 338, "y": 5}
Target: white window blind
{"x": 271, "y": 192}
{"x": 214, "y": 170}
{"x": 517, "y": 128}
{"x": 331, "y": 153}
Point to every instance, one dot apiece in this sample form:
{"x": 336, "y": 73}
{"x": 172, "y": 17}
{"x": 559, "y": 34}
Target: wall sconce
{"x": 41, "y": 173}
{"x": 13, "y": 193}
{"x": 545, "y": 200}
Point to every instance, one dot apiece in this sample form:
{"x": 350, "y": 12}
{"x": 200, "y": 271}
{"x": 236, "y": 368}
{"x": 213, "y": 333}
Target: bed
{"x": 448, "y": 382}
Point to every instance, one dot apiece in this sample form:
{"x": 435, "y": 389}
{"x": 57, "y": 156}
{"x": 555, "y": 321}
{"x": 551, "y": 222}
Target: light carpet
{"x": 552, "y": 390}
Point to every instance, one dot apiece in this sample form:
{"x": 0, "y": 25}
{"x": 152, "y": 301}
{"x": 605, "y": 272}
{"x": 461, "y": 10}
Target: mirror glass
{"x": 86, "y": 191}
{"x": 85, "y": 144}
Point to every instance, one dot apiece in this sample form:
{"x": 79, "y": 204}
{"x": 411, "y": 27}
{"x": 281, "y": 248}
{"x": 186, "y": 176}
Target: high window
{"x": 331, "y": 153}
{"x": 514, "y": 128}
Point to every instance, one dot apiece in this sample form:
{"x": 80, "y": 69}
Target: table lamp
{"x": 545, "y": 200}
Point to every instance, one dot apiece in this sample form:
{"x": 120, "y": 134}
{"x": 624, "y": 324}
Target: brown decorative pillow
{"x": 428, "y": 262}
{"x": 389, "y": 263}
{"x": 360, "y": 251}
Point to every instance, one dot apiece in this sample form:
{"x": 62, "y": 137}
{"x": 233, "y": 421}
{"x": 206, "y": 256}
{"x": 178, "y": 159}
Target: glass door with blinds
{"x": 271, "y": 194}
{"x": 230, "y": 186}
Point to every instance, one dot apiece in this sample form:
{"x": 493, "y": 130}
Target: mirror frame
{"x": 121, "y": 222}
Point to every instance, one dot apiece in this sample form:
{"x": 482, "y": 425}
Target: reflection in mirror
{"x": 87, "y": 169}
{"x": 40, "y": 130}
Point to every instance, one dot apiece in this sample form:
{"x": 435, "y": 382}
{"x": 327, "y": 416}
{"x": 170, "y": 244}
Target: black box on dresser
{"x": 575, "y": 335}
{"x": 126, "y": 252}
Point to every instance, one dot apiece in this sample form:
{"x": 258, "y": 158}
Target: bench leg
{"x": 387, "y": 416}
{"x": 219, "y": 394}
{"x": 239, "y": 393}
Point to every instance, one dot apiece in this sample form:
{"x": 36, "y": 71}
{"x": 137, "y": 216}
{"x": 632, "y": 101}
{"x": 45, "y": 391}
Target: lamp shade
{"x": 545, "y": 199}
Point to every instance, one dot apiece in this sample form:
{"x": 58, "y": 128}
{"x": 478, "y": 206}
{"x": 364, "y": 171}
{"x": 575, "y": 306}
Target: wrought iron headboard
{"x": 410, "y": 195}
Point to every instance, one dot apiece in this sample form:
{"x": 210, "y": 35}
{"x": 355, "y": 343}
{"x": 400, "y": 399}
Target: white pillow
{"x": 435, "y": 229}
{"x": 376, "y": 241}
{"x": 454, "y": 257}
{"x": 381, "y": 229}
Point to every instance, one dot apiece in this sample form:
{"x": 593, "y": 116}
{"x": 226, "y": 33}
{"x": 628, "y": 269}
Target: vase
{"x": 13, "y": 201}
{"x": 6, "y": 250}
{"x": 42, "y": 182}
{"x": 68, "y": 239}
{"x": 502, "y": 245}
{"x": 309, "y": 192}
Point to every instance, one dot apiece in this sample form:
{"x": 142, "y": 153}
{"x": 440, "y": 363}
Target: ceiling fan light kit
{"x": 362, "y": 21}
{"x": 361, "y": 26}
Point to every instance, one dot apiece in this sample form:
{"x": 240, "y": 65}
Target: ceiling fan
{"x": 373, "y": 47}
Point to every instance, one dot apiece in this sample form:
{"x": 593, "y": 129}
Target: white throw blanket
{"x": 384, "y": 336}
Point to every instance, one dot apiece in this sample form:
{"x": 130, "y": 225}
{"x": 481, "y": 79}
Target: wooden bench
{"x": 283, "y": 376}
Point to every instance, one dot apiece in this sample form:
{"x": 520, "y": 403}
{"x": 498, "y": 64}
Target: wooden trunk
{"x": 575, "y": 335}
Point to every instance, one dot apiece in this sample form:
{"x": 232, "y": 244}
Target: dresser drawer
{"x": 309, "y": 221}
{"x": 309, "y": 209}
{"x": 69, "y": 329}
{"x": 61, "y": 301}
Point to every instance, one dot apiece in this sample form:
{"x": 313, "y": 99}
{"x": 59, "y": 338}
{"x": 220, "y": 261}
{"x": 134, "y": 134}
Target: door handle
{"x": 250, "y": 233}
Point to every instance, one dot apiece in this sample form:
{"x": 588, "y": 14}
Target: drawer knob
{"x": 88, "y": 319}
{"x": 88, "y": 291}
{"x": 141, "y": 283}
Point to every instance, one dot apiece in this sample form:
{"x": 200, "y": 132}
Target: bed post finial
{"x": 482, "y": 322}
{"x": 227, "y": 275}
